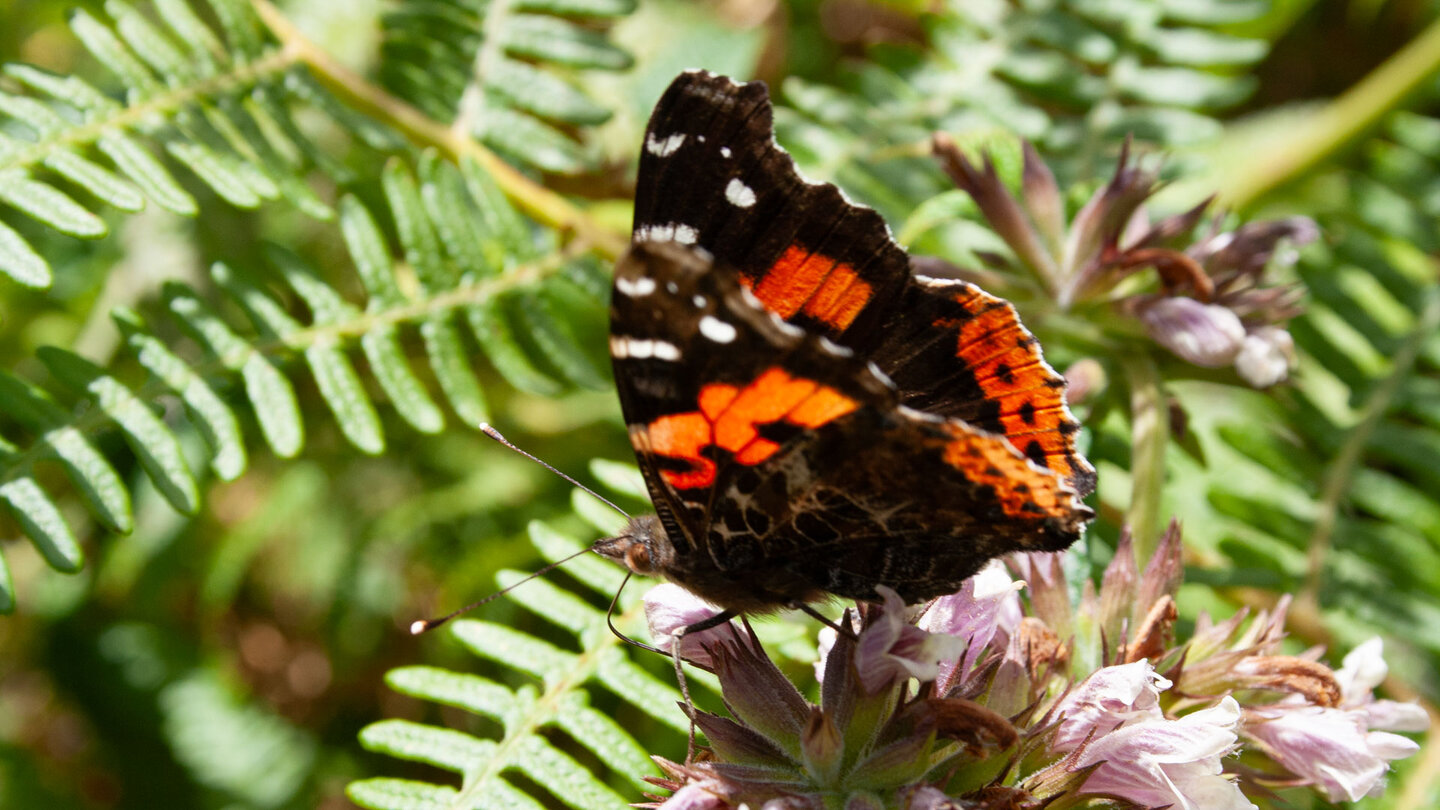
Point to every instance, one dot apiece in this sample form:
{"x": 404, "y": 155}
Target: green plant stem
{"x": 539, "y": 202}
{"x": 1341, "y": 472}
{"x": 1337, "y": 125}
{"x": 1149, "y": 435}
{"x": 162, "y": 104}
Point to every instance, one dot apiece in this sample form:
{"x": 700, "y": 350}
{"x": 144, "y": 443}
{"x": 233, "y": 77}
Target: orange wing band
{"x": 827, "y": 290}
{"x": 1022, "y": 490}
{"x": 1007, "y": 366}
{"x": 730, "y": 418}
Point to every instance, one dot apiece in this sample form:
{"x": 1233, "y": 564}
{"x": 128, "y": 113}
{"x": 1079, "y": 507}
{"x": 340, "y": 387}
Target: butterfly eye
{"x": 637, "y": 558}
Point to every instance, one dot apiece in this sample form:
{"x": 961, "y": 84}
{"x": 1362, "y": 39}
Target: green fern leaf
{"x": 401, "y": 794}
{"x": 86, "y": 467}
{"x": 466, "y": 253}
{"x": 44, "y": 524}
{"x": 20, "y": 262}
{"x": 215, "y": 419}
{"x": 1074, "y": 79}
{"x": 555, "y": 697}
{"x": 267, "y": 389}
{"x": 153, "y": 443}
{"x": 1347, "y": 513}
{"x": 504, "y": 70}
{"x": 218, "y": 105}
{"x": 491, "y": 323}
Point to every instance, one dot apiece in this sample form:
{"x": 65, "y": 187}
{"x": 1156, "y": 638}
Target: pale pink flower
{"x": 1044, "y": 576}
{"x": 1363, "y": 670}
{"x": 1107, "y": 699}
{"x": 1168, "y": 763}
{"x": 823, "y": 645}
{"x": 694, "y": 796}
{"x": 1341, "y": 750}
{"x": 669, "y": 608}
{"x": 1267, "y": 357}
{"x": 1204, "y": 334}
{"x": 987, "y": 605}
{"x": 1329, "y": 748}
{"x": 891, "y": 649}
{"x": 929, "y": 797}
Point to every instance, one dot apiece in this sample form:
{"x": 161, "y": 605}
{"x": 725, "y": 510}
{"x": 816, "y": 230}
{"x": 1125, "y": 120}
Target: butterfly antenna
{"x": 495, "y": 434}
{"x": 426, "y": 625}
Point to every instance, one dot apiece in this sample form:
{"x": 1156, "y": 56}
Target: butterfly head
{"x": 641, "y": 546}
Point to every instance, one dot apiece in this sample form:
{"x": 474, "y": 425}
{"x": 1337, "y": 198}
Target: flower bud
{"x": 1286, "y": 673}
{"x": 1204, "y": 334}
{"x": 1083, "y": 379}
{"x": 821, "y": 747}
{"x": 1266, "y": 357}
{"x": 1042, "y": 650}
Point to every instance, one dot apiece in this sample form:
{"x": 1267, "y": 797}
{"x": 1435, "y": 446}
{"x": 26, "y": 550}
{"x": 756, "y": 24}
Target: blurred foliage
{"x": 265, "y": 269}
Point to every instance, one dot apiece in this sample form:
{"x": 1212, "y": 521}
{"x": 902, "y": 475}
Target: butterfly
{"x": 812, "y": 417}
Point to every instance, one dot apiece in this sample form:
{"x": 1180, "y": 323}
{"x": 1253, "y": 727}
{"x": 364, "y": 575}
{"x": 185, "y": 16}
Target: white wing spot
{"x": 739, "y": 194}
{"x": 671, "y": 287}
{"x": 637, "y": 288}
{"x": 655, "y": 233}
{"x": 664, "y": 147}
{"x": 725, "y": 151}
{"x": 830, "y": 345}
{"x": 716, "y": 329}
{"x": 637, "y": 349}
{"x": 669, "y": 232}
{"x": 698, "y": 301}
{"x": 786, "y": 327}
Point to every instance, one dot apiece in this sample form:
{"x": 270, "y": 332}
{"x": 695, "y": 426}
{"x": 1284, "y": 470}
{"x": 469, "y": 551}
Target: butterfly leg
{"x": 825, "y": 620}
{"x": 677, "y": 655}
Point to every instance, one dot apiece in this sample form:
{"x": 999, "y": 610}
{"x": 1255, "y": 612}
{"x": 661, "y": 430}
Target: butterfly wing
{"x": 711, "y": 175}
{"x": 783, "y": 466}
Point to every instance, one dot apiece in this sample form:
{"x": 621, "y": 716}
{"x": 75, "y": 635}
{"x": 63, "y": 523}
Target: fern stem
{"x": 1335, "y": 126}
{"x": 92, "y": 419}
{"x": 158, "y": 106}
{"x": 1341, "y": 471}
{"x": 1149, "y": 435}
{"x": 540, "y": 712}
{"x": 539, "y": 202}
{"x": 472, "y": 104}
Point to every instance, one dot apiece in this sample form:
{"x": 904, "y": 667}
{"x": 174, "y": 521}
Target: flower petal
{"x": 1159, "y": 762}
{"x": 1266, "y": 357}
{"x": 669, "y": 608}
{"x": 1109, "y": 698}
{"x": 1207, "y": 335}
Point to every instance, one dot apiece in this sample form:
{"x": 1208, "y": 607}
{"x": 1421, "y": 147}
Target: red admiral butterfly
{"x": 812, "y": 417}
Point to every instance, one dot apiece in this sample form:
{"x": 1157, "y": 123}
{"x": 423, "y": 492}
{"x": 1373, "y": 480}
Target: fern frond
{"x": 470, "y": 263}
{"x": 499, "y": 69}
{"x": 556, "y": 697}
{"x": 1349, "y": 518}
{"x": 218, "y": 102}
{"x": 1076, "y": 79}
